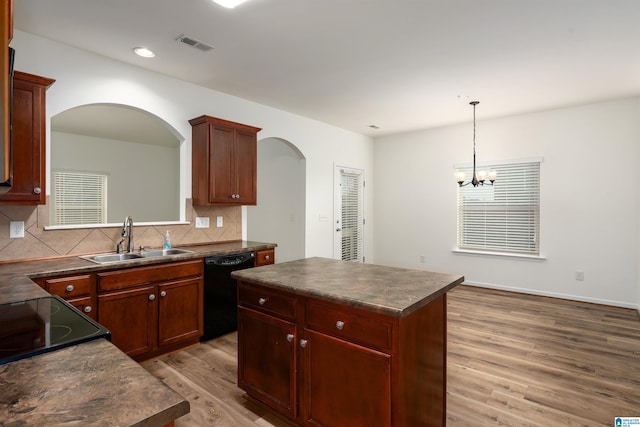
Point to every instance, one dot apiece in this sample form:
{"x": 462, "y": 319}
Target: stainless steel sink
{"x": 163, "y": 252}
{"x": 105, "y": 258}
{"x": 153, "y": 253}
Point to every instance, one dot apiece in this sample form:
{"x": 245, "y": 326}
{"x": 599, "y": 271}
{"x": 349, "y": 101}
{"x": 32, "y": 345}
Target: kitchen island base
{"x": 326, "y": 355}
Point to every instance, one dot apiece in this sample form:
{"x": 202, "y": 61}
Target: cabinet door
{"x": 179, "y": 311}
{"x": 246, "y": 167}
{"x": 344, "y": 384}
{"x": 131, "y": 316}
{"x": 222, "y": 184}
{"x": 28, "y": 125}
{"x": 267, "y": 360}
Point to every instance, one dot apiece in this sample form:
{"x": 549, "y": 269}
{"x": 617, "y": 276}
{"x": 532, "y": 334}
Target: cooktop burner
{"x": 41, "y": 325}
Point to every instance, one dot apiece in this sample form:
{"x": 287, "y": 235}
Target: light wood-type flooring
{"x": 513, "y": 360}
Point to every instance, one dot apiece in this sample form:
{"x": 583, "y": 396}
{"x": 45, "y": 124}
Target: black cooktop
{"x": 40, "y": 325}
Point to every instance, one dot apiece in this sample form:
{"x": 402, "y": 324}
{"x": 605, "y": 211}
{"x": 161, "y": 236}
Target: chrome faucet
{"x": 127, "y": 233}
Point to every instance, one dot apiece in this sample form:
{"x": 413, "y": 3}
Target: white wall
{"x": 589, "y": 200}
{"x": 85, "y": 78}
{"x": 279, "y": 215}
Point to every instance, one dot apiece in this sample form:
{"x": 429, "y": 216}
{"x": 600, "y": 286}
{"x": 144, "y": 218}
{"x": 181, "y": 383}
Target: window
{"x": 350, "y": 215}
{"x": 504, "y": 217}
{"x": 79, "y": 198}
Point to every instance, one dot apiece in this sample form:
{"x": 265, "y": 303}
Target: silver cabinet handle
{"x": 303, "y": 343}
{"x": 88, "y": 309}
{"x": 290, "y": 337}
{"x": 266, "y": 257}
{"x": 69, "y": 288}
{"x": 152, "y": 297}
{"x": 37, "y": 190}
{"x": 261, "y": 301}
{"x": 163, "y": 293}
{"x": 340, "y": 324}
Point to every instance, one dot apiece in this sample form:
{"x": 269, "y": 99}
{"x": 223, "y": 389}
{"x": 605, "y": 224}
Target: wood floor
{"x": 513, "y": 360}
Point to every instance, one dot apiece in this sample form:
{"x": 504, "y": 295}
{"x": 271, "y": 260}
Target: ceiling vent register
{"x": 194, "y": 43}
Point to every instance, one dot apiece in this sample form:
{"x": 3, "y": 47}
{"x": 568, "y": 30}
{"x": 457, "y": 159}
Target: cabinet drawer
{"x": 265, "y": 257}
{"x": 120, "y": 279}
{"x": 350, "y": 324}
{"x": 84, "y": 305}
{"x": 69, "y": 287}
{"x": 266, "y": 301}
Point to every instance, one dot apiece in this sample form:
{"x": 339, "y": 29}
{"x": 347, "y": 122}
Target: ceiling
{"x": 397, "y": 64}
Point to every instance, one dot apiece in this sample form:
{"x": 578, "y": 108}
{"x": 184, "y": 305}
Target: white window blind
{"x": 504, "y": 217}
{"x": 79, "y": 198}
{"x": 352, "y": 194}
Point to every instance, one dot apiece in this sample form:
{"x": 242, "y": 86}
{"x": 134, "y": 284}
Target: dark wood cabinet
{"x": 6, "y": 17}
{"x": 154, "y": 309}
{"x": 321, "y": 363}
{"x": 224, "y": 162}
{"x": 28, "y": 124}
{"x": 265, "y": 257}
{"x": 78, "y": 290}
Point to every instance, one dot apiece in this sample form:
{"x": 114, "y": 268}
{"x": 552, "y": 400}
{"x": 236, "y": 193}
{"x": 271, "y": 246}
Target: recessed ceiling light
{"x": 230, "y": 4}
{"x": 144, "y": 52}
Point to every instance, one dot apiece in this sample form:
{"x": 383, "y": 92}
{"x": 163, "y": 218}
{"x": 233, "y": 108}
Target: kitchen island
{"x": 334, "y": 343}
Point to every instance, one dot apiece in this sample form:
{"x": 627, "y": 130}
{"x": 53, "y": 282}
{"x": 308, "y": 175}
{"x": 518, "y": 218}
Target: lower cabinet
{"x": 326, "y": 364}
{"x": 154, "y": 309}
{"x": 78, "y": 290}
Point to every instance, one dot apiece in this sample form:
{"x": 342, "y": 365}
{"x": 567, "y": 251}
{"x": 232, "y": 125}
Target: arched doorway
{"x": 279, "y": 216}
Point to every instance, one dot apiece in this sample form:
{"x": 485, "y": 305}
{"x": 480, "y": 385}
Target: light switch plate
{"x": 202, "y": 222}
{"x": 219, "y": 221}
{"x": 16, "y": 229}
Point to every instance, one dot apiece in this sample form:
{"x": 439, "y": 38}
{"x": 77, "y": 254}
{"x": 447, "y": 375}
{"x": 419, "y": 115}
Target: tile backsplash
{"x": 41, "y": 243}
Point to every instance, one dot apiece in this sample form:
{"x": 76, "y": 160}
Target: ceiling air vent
{"x": 194, "y": 43}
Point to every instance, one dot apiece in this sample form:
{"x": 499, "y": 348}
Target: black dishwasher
{"x": 221, "y": 294}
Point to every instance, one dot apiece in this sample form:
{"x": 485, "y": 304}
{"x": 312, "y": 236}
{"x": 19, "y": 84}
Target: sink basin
{"x": 163, "y": 252}
{"x": 153, "y": 253}
{"x": 104, "y": 258}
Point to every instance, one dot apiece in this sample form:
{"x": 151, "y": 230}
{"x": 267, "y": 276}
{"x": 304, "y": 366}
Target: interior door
{"x": 348, "y": 242}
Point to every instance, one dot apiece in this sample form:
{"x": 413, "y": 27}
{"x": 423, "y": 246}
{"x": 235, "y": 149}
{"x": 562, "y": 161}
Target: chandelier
{"x": 480, "y": 177}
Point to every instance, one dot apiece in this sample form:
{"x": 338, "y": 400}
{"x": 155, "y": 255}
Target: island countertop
{"x": 392, "y": 291}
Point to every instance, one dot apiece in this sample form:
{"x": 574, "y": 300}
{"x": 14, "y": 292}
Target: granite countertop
{"x": 392, "y": 291}
{"x": 16, "y": 285}
{"x": 87, "y": 384}
{"x": 92, "y": 383}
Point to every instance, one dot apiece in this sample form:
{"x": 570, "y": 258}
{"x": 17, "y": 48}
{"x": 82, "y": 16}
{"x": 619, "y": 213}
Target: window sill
{"x": 499, "y": 254}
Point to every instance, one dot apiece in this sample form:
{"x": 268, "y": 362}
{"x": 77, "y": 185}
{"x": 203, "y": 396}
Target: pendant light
{"x": 480, "y": 177}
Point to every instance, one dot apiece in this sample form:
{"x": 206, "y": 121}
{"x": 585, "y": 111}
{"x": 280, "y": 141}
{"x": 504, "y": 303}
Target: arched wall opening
{"x": 279, "y": 216}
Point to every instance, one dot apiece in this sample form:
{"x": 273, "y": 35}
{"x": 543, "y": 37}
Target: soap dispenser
{"x": 167, "y": 240}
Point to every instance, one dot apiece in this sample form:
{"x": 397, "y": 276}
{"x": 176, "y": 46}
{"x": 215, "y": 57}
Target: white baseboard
{"x": 557, "y": 295}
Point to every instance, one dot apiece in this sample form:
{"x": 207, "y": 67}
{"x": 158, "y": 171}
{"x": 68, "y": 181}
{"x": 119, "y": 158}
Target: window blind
{"x": 504, "y": 217}
{"x": 351, "y": 189}
{"x": 79, "y": 198}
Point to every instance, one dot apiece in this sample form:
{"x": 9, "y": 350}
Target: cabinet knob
{"x": 69, "y": 288}
{"x": 290, "y": 337}
{"x": 303, "y": 343}
{"x": 87, "y": 309}
{"x": 261, "y": 301}
{"x": 152, "y": 297}
{"x": 37, "y": 190}
{"x": 163, "y": 293}
{"x": 340, "y": 324}
{"x": 266, "y": 257}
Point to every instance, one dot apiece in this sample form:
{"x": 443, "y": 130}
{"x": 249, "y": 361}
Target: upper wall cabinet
{"x": 28, "y": 124}
{"x": 224, "y": 157}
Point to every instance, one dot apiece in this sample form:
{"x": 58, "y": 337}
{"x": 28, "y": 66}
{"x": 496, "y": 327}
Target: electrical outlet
{"x": 16, "y": 229}
{"x": 579, "y": 275}
{"x": 202, "y": 222}
{"x": 422, "y": 259}
{"x": 219, "y": 221}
